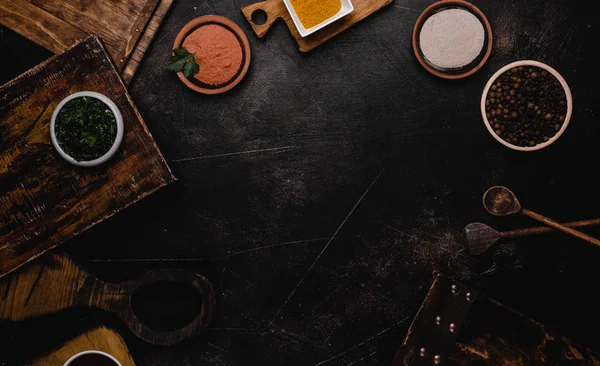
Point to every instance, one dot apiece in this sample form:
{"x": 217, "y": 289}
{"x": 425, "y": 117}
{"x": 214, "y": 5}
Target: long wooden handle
{"x": 543, "y": 229}
{"x": 558, "y": 226}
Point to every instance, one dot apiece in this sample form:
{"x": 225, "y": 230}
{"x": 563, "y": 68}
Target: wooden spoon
{"x": 477, "y": 238}
{"x": 501, "y": 201}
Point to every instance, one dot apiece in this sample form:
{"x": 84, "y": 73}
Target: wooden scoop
{"x": 501, "y": 201}
{"x": 56, "y": 283}
{"x": 477, "y": 238}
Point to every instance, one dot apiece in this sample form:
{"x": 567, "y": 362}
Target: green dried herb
{"x": 86, "y": 128}
{"x": 184, "y": 61}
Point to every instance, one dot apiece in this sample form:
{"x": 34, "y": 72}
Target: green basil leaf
{"x": 181, "y": 52}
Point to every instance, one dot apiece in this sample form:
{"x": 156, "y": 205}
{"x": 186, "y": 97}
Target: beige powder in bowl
{"x": 451, "y": 39}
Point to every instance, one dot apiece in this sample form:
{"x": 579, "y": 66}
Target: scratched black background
{"x": 321, "y": 193}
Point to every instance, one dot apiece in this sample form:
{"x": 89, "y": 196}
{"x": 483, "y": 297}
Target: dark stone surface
{"x": 319, "y": 195}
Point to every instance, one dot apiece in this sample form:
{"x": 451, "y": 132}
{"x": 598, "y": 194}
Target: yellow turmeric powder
{"x": 315, "y": 12}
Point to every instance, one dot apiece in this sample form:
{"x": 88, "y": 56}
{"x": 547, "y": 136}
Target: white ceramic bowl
{"x": 70, "y": 360}
{"x": 346, "y": 9}
{"x": 118, "y": 138}
{"x": 542, "y": 66}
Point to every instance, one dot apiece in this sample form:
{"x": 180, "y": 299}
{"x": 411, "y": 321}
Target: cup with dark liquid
{"x": 92, "y": 358}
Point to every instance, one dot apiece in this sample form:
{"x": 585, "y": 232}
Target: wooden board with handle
{"x": 55, "y": 283}
{"x": 44, "y": 200}
{"x": 99, "y": 339}
{"x": 276, "y": 9}
{"x": 126, "y": 26}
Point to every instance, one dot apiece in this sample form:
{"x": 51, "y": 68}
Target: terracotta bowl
{"x": 469, "y": 69}
{"x": 568, "y": 95}
{"x": 198, "y": 86}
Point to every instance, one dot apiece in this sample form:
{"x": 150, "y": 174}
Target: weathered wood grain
{"x": 99, "y": 339}
{"x": 276, "y": 9}
{"x": 144, "y": 42}
{"x": 492, "y": 334}
{"x": 38, "y": 25}
{"x": 57, "y": 24}
{"x": 56, "y": 283}
{"x": 43, "y": 199}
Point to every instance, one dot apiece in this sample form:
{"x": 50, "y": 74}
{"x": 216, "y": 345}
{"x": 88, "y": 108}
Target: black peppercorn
{"x": 526, "y": 106}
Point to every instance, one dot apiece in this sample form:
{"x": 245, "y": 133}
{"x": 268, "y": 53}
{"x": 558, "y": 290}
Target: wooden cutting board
{"x": 99, "y": 339}
{"x": 56, "y": 283}
{"x": 276, "y": 9}
{"x": 43, "y": 199}
{"x": 126, "y": 26}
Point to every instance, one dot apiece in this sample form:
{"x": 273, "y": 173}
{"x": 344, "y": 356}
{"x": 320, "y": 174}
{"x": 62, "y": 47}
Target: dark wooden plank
{"x": 100, "y": 339}
{"x": 38, "y": 25}
{"x": 115, "y": 22}
{"x": 43, "y": 199}
{"x": 57, "y": 24}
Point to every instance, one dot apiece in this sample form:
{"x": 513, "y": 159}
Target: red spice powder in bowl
{"x": 222, "y": 52}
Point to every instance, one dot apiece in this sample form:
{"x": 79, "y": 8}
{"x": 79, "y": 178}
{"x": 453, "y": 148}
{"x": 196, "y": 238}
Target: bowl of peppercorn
{"x": 526, "y": 105}
{"x": 86, "y": 129}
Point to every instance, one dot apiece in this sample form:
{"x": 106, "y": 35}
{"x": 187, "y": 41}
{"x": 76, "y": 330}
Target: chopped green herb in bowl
{"x": 86, "y": 128}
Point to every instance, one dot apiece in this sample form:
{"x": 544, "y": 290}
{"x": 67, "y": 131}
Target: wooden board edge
{"x": 40, "y": 30}
{"x": 101, "y": 330}
{"x": 40, "y": 66}
{"x": 170, "y": 177}
{"x": 404, "y": 353}
{"x": 144, "y": 41}
{"x": 135, "y": 32}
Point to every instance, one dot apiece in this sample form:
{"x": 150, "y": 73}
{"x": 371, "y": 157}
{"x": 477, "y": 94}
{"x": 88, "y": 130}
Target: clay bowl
{"x": 195, "y": 84}
{"x": 543, "y": 66}
{"x": 469, "y": 69}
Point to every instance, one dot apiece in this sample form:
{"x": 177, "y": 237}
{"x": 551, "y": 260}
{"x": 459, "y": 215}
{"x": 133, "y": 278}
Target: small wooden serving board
{"x": 99, "y": 339}
{"x": 44, "y": 200}
{"x": 126, "y": 26}
{"x": 276, "y": 9}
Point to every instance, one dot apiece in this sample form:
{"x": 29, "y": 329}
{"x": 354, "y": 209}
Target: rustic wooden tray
{"x": 276, "y": 9}
{"x": 126, "y": 26}
{"x": 99, "y": 339}
{"x": 43, "y": 199}
{"x": 457, "y": 325}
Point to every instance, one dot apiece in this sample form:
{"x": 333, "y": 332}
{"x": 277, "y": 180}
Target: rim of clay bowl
{"x": 118, "y": 139}
{"x": 543, "y": 66}
{"x": 240, "y": 35}
{"x": 428, "y": 12}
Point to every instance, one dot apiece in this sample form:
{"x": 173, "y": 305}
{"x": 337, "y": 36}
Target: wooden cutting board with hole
{"x": 276, "y": 9}
{"x": 125, "y": 26}
{"x": 44, "y": 200}
{"x": 99, "y": 339}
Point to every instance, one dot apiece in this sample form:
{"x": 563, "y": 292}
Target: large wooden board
{"x": 99, "y": 339}
{"x": 43, "y": 199}
{"x": 126, "y": 26}
{"x": 276, "y": 9}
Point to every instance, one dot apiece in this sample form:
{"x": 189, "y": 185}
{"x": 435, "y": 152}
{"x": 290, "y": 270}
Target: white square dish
{"x": 346, "y": 9}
